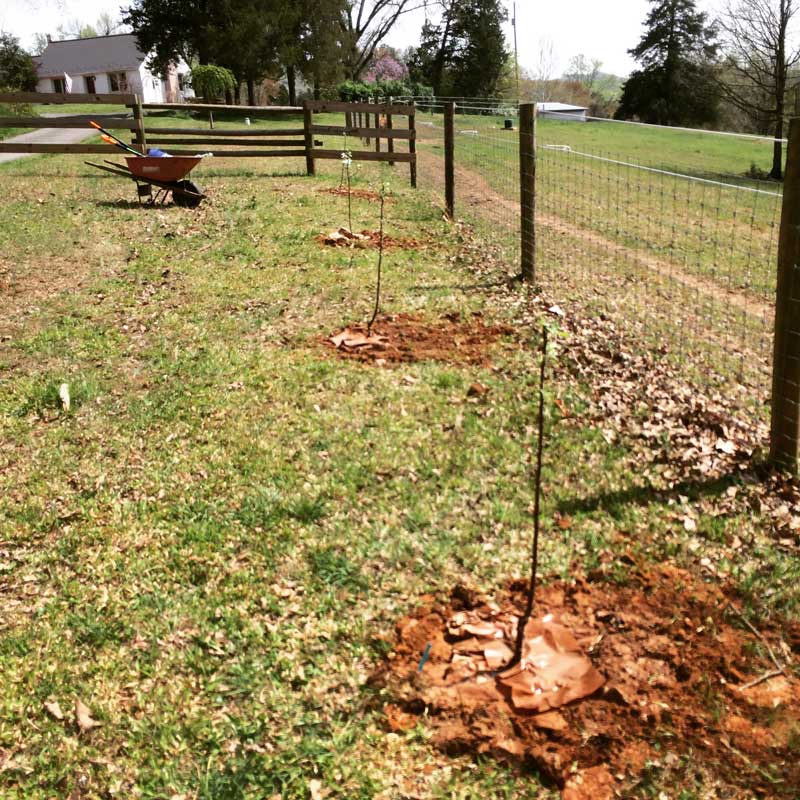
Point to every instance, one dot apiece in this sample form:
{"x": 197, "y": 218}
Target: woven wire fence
{"x": 681, "y": 255}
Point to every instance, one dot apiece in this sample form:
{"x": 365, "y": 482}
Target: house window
{"x": 58, "y": 85}
{"x": 118, "y": 81}
{"x": 90, "y": 84}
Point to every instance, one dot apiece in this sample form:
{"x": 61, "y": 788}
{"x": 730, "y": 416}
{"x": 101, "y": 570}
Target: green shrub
{"x": 211, "y": 82}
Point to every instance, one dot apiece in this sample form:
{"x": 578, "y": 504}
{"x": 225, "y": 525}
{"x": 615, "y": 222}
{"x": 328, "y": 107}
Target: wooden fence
{"x": 362, "y": 121}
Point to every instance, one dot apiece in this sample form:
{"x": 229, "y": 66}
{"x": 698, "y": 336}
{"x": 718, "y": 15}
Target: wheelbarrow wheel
{"x": 186, "y": 200}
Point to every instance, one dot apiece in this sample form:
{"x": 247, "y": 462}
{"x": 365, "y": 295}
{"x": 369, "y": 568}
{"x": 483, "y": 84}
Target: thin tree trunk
{"x": 291, "y": 81}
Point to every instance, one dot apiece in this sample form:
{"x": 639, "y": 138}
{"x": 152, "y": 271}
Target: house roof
{"x": 563, "y": 107}
{"x": 115, "y": 53}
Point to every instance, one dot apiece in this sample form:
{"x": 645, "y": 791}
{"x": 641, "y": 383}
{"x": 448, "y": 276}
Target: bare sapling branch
{"x": 380, "y": 263}
{"x": 525, "y": 618}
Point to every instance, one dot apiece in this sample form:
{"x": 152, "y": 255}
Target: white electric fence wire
{"x": 694, "y": 178}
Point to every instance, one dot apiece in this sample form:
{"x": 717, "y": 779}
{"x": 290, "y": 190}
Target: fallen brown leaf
{"x": 83, "y": 717}
{"x": 54, "y": 710}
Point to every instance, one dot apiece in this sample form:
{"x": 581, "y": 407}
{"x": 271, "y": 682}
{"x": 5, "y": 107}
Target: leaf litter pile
{"x": 405, "y": 338}
{"x": 674, "y": 672}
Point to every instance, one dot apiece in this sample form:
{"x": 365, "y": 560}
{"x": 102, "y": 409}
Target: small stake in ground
{"x": 347, "y": 160}
{"x": 517, "y": 657}
{"x": 384, "y": 189}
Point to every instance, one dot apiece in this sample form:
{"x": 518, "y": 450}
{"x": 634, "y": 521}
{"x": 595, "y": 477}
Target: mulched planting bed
{"x": 404, "y": 338}
{"x": 685, "y": 685}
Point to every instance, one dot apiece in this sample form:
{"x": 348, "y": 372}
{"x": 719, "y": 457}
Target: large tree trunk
{"x": 777, "y": 148}
{"x": 780, "y": 106}
{"x": 291, "y": 80}
{"x": 251, "y": 92}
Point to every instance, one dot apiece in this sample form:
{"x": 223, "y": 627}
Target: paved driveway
{"x": 50, "y": 136}
{"x": 45, "y": 136}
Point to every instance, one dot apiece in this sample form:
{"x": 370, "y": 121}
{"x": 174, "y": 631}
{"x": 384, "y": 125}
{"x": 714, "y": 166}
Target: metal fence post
{"x": 450, "y": 158}
{"x": 785, "y": 428}
{"x": 527, "y": 185}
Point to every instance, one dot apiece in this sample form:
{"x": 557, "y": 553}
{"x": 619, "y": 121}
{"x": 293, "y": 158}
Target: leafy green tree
{"x": 17, "y": 71}
{"x": 480, "y": 57}
{"x": 253, "y": 38}
{"x": 465, "y": 53}
{"x": 676, "y": 85}
{"x": 210, "y": 81}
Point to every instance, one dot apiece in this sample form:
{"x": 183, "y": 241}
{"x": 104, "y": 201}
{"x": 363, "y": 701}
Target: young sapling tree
{"x": 347, "y": 160}
{"x": 384, "y": 191}
{"x": 525, "y": 618}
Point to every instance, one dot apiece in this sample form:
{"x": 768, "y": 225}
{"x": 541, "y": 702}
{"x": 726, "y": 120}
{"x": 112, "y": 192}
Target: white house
{"x": 562, "y": 111}
{"x": 107, "y": 65}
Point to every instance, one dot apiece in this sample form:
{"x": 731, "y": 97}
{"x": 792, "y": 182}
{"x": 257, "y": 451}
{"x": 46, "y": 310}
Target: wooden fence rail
{"x": 366, "y": 121}
{"x": 362, "y": 121}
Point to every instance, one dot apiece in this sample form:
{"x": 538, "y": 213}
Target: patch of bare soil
{"x": 404, "y": 338}
{"x": 367, "y": 239}
{"x": 358, "y": 194}
{"x": 683, "y": 676}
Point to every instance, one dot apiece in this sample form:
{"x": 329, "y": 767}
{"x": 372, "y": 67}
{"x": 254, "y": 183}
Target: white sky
{"x": 604, "y": 30}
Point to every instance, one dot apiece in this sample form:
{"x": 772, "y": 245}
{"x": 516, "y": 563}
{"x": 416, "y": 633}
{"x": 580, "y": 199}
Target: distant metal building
{"x": 562, "y": 111}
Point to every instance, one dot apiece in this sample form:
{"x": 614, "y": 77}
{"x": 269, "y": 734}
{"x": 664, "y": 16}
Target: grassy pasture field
{"x": 702, "y": 256}
{"x": 211, "y": 547}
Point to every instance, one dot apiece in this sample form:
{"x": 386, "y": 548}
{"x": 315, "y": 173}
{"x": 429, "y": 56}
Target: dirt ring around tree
{"x": 368, "y": 240}
{"x": 357, "y": 194}
{"x": 684, "y": 689}
{"x": 406, "y": 338}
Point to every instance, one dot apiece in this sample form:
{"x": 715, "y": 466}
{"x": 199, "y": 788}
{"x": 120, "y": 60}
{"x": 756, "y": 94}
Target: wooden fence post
{"x": 138, "y": 116}
{"x": 390, "y": 141}
{"x": 450, "y": 158}
{"x": 308, "y": 122}
{"x": 785, "y": 428}
{"x": 527, "y": 184}
{"x": 378, "y": 126}
{"x": 412, "y": 143}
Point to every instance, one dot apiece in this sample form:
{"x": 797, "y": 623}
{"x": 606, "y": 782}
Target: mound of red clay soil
{"x": 683, "y": 674}
{"x": 359, "y": 194}
{"x": 367, "y": 239}
{"x": 404, "y": 338}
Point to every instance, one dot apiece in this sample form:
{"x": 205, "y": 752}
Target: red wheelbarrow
{"x": 166, "y": 173}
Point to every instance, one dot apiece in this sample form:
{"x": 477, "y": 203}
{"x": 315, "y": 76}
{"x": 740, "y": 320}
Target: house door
{"x": 90, "y": 87}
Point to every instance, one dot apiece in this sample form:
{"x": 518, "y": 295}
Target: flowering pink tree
{"x": 386, "y": 67}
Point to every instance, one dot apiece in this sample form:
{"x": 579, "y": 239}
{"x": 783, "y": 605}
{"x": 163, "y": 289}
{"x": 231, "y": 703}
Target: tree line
{"x": 736, "y": 71}
{"x": 325, "y": 42}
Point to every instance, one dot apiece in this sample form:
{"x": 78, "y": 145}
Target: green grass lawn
{"x": 211, "y": 547}
{"x": 701, "y": 154}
